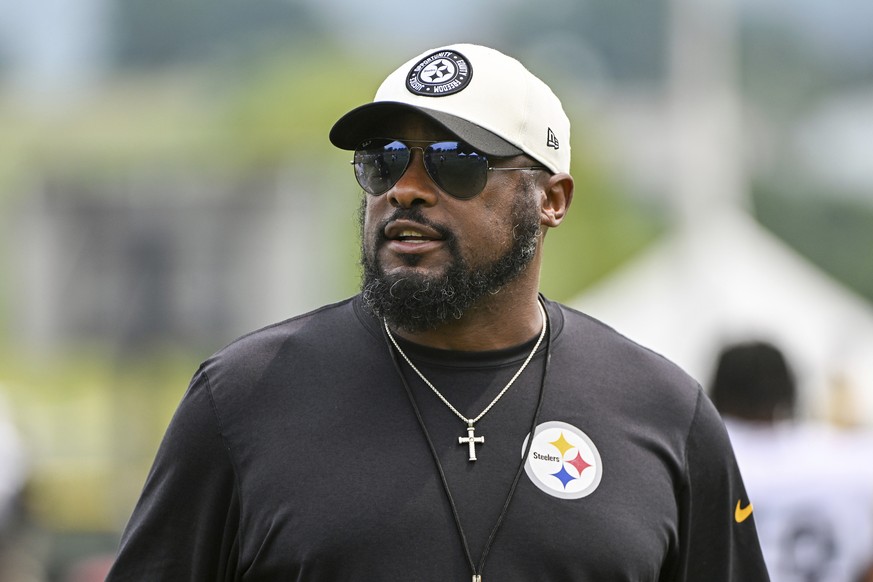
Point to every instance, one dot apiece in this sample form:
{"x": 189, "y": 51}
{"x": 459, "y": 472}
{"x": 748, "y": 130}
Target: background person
{"x": 811, "y": 484}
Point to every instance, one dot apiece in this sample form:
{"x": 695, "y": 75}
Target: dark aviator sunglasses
{"x": 457, "y": 168}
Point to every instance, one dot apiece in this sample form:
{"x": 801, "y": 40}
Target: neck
{"x": 505, "y": 319}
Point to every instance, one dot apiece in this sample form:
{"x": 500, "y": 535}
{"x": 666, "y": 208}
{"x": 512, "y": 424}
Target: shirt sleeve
{"x": 718, "y": 541}
{"x": 186, "y": 523}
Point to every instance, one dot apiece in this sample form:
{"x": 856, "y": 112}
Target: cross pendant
{"x": 471, "y": 439}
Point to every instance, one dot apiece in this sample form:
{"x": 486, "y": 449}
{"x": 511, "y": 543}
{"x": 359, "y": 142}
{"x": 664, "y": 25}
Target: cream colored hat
{"x": 488, "y": 99}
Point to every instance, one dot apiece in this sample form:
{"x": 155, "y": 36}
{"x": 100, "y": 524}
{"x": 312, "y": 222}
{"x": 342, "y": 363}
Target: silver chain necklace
{"x": 471, "y": 440}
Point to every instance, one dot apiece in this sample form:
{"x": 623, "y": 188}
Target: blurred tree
{"x": 150, "y": 33}
{"x": 628, "y": 37}
{"x": 835, "y": 233}
{"x": 782, "y": 74}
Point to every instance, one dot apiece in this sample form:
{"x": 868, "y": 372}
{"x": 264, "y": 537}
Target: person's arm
{"x": 185, "y": 525}
{"x": 718, "y": 541}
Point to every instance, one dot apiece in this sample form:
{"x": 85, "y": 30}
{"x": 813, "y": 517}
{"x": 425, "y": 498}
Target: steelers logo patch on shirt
{"x": 441, "y": 73}
{"x": 563, "y": 461}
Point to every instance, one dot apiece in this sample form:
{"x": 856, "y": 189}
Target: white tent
{"x": 727, "y": 280}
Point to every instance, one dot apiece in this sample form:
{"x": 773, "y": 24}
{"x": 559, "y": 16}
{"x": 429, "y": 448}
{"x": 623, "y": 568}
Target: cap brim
{"x": 368, "y": 121}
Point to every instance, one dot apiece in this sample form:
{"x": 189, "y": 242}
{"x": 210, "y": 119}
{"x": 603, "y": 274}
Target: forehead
{"x": 411, "y": 125}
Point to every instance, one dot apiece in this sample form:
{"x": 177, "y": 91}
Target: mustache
{"x": 415, "y": 214}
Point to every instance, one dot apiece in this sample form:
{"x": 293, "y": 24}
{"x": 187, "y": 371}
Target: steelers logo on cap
{"x": 441, "y": 73}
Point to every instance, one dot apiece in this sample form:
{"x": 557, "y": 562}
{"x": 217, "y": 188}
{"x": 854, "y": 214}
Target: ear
{"x": 558, "y": 194}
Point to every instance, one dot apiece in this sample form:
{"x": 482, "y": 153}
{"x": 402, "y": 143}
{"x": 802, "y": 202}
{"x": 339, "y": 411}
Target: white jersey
{"x": 812, "y": 490}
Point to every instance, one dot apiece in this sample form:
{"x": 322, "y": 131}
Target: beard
{"x": 419, "y": 302}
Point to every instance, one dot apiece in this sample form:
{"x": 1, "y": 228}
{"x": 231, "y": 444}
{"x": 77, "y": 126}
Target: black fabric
{"x": 295, "y": 455}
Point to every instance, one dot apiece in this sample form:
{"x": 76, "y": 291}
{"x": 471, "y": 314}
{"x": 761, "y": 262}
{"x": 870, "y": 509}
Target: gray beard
{"x": 419, "y": 302}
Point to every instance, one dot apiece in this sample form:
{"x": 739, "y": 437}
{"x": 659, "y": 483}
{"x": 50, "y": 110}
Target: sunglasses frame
{"x": 427, "y": 165}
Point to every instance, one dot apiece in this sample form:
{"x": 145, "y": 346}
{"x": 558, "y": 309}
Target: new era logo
{"x": 552, "y": 139}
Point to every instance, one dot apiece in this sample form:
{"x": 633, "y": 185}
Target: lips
{"x": 409, "y": 238}
{"x": 410, "y": 232}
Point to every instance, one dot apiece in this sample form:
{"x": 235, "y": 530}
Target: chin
{"x": 392, "y": 264}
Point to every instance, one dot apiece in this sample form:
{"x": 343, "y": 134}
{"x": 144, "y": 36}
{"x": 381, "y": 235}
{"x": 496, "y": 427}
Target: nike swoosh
{"x": 741, "y": 514}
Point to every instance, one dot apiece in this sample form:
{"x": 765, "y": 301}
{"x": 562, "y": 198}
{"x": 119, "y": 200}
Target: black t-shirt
{"x": 296, "y": 455}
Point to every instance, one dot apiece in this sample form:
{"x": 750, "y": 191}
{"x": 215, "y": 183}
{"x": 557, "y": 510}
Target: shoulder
{"x": 258, "y": 348}
{"x": 281, "y": 348}
{"x": 604, "y": 349}
{"x": 594, "y": 366}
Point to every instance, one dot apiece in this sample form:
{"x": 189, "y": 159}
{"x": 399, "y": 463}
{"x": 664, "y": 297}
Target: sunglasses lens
{"x": 379, "y": 164}
{"x": 456, "y": 168}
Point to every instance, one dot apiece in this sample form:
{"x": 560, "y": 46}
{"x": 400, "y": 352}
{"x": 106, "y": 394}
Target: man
{"x": 448, "y": 423}
{"x": 812, "y": 484}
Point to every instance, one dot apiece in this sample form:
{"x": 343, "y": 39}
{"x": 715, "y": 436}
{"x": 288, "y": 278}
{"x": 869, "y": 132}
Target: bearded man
{"x": 449, "y": 422}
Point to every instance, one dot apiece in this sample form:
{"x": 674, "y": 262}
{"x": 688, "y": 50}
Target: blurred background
{"x": 166, "y": 184}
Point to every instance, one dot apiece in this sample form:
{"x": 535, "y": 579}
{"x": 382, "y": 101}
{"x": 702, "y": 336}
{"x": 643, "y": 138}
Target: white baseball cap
{"x": 486, "y": 98}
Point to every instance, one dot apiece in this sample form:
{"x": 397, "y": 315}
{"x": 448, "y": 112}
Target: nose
{"x": 415, "y": 186}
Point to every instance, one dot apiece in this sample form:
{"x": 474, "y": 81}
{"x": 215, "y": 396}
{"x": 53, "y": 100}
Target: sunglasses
{"x": 458, "y": 169}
